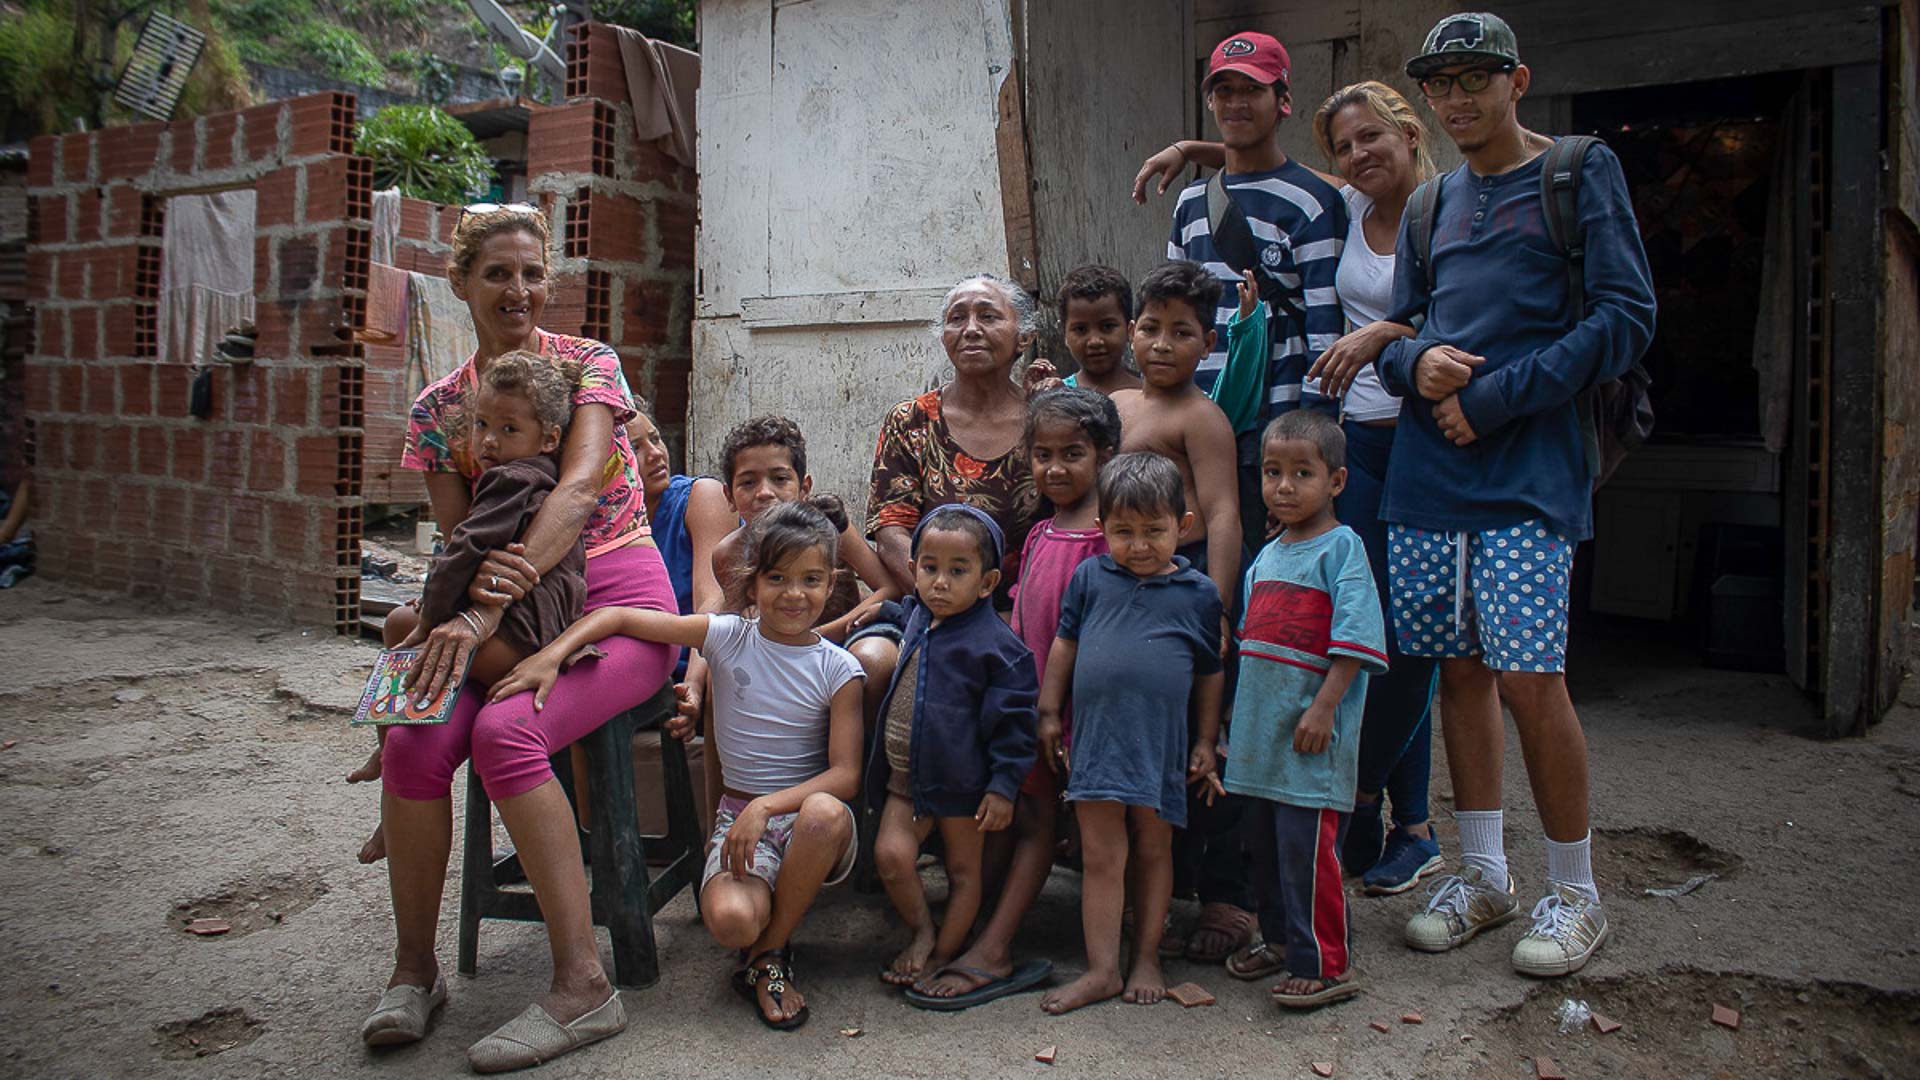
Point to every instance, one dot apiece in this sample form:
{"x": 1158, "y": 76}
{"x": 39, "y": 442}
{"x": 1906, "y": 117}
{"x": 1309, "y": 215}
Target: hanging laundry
{"x": 661, "y": 80}
{"x": 206, "y": 278}
{"x": 439, "y": 331}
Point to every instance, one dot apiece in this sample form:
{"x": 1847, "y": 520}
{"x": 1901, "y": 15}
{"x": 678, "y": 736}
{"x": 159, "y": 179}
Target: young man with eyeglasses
{"x": 1489, "y": 491}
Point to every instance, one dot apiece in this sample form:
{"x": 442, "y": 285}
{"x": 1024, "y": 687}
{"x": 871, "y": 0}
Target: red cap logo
{"x": 1257, "y": 56}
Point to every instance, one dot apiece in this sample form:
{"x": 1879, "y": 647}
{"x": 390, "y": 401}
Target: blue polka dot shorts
{"x": 1514, "y": 609}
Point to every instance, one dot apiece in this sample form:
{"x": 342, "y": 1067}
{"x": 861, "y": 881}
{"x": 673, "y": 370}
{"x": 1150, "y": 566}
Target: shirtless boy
{"x": 1172, "y": 417}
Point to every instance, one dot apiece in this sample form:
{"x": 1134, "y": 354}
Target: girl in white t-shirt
{"x": 787, "y": 728}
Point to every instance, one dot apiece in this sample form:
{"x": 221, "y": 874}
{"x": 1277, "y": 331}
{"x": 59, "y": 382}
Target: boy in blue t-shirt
{"x": 1311, "y": 634}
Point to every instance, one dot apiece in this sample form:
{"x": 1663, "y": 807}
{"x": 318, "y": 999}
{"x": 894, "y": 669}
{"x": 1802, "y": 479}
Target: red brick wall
{"x": 623, "y": 217}
{"x": 256, "y": 508}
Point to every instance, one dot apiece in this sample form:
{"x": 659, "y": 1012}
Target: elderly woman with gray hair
{"x": 961, "y": 442}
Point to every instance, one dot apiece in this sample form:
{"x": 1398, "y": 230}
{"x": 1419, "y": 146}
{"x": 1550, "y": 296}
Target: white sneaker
{"x": 1568, "y": 927}
{"x": 1458, "y": 907}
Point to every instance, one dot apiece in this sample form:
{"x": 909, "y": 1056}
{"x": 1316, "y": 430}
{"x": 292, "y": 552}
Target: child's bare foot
{"x": 1146, "y": 985}
{"x": 912, "y": 960}
{"x": 375, "y": 848}
{"x": 1085, "y": 990}
{"x": 366, "y": 772}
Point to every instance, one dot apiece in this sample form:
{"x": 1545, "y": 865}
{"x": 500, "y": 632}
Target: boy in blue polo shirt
{"x": 1489, "y": 488}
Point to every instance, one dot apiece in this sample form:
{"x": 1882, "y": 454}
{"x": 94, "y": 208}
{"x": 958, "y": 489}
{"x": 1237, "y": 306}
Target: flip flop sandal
{"x": 1330, "y": 991}
{"x": 774, "y": 968}
{"x": 1256, "y": 961}
{"x": 1027, "y": 976}
{"x": 1236, "y": 924}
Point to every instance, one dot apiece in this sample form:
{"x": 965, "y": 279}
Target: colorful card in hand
{"x": 387, "y": 700}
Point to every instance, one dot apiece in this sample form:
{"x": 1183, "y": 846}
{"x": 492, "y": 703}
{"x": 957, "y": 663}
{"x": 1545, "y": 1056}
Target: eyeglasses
{"x": 1469, "y": 82}
{"x": 490, "y": 208}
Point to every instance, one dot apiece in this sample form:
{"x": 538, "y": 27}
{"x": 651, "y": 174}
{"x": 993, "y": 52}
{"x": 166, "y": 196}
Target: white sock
{"x": 1572, "y": 864}
{"x": 1483, "y": 843}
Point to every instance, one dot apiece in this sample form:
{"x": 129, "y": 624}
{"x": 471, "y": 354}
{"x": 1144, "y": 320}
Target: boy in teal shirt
{"x": 1310, "y": 635}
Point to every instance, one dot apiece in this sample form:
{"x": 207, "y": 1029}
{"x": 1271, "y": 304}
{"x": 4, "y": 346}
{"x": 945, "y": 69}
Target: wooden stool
{"x": 624, "y": 897}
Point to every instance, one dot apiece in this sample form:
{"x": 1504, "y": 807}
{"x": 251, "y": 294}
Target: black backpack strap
{"x": 1234, "y": 242}
{"x": 1421, "y": 207}
{"x": 1560, "y": 202}
{"x": 1560, "y": 198}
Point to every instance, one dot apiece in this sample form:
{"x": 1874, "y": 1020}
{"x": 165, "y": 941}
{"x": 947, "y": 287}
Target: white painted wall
{"x": 848, "y": 178}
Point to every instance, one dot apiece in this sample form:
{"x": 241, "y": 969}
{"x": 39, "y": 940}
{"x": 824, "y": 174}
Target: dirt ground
{"x": 159, "y": 767}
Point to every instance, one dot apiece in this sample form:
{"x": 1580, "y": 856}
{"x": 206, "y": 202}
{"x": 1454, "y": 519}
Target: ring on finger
{"x": 493, "y": 581}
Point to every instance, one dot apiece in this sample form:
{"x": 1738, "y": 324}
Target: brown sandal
{"x": 1218, "y": 920}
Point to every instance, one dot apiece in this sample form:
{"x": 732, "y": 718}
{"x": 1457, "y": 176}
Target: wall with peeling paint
{"x": 848, "y": 178}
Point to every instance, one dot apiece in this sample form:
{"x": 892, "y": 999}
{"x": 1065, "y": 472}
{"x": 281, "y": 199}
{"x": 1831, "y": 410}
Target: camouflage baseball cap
{"x": 1463, "y": 39}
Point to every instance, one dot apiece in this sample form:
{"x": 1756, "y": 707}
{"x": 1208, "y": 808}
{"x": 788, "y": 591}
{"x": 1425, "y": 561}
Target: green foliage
{"x": 340, "y": 52}
{"x": 426, "y": 153}
{"x": 42, "y": 88}
{"x": 219, "y": 81}
{"x": 667, "y": 20}
{"x": 409, "y": 13}
{"x": 263, "y": 30}
{"x": 293, "y": 33}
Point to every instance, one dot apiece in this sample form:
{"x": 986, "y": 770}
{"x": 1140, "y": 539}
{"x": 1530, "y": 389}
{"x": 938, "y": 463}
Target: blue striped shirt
{"x": 1299, "y": 223}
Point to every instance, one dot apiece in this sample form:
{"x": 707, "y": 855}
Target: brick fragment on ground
{"x": 1726, "y": 1018}
{"x": 1191, "y": 994}
{"x": 1380, "y": 1026}
{"x": 208, "y": 927}
{"x": 1412, "y": 1018}
{"x": 1545, "y": 1069}
{"x": 1323, "y": 1068}
{"x": 1045, "y": 1057}
{"x": 1605, "y": 1025}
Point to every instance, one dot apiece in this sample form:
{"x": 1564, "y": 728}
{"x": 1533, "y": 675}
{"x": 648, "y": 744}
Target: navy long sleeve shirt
{"x": 1501, "y": 292}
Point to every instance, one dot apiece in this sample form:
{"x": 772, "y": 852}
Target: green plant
{"x": 425, "y": 153}
{"x": 667, "y": 20}
{"x": 409, "y": 12}
{"x": 42, "y": 87}
{"x": 263, "y": 31}
{"x": 340, "y": 53}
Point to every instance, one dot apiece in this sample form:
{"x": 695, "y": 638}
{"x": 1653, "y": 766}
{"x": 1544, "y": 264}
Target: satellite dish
{"x": 157, "y": 72}
{"x": 521, "y": 42}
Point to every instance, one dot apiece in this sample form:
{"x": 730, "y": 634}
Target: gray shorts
{"x": 889, "y": 624}
{"x": 772, "y": 848}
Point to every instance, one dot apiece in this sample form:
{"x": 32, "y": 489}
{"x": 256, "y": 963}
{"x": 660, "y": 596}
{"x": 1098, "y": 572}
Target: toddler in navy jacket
{"x": 957, "y": 732}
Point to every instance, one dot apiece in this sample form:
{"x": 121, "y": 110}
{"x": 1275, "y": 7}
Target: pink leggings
{"x": 509, "y": 742}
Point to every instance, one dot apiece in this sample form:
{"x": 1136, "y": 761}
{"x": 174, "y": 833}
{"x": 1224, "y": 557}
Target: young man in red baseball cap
{"x": 1295, "y": 224}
